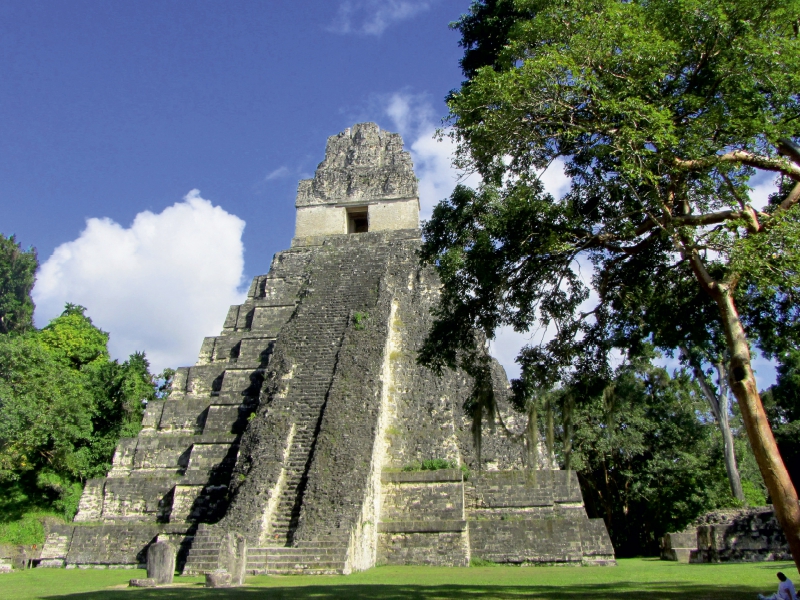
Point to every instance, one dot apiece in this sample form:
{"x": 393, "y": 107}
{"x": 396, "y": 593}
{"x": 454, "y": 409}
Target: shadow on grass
{"x": 624, "y": 591}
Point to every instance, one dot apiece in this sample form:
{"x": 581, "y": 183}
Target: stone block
{"x": 231, "y": 318}
{"x": 255, "y": 351}
{"x": 56, "y": 545}
{"x": 163, "y": 452}
{"x": 208, "y": 457}
{"x": 218, "y": 579}
{"x": 233, "y": 557}
{"x": 206, "y": 354}
{"x": 242, "y": 381}
{"x": 161, "y": 562}
{"x": 90, "y": 507}
{"x": 179, "y": 381}
{"x": 152, "y": 415}
{"x": 442, "y": 549}
{"x": 187, "y": 414}
{"x": 183, "y": 502}
{"x": 111, "y": 544}
{"x": 141, "y": 497}
{"x": 224, "y": 418}
{"x": 270, "y": 319}
{"x": 143, "y": 583}
{"x": 204, "y": 379}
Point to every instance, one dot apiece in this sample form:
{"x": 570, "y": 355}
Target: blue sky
{"x": 151, "y": 150}
{"x": 114, "y": 111}
{"x": 110, "y": 108}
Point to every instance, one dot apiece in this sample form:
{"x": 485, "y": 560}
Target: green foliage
{"x": 433, "y": 464}
{"x": 73, "y": 339}
{"x": 753, "y": 495}
{"x": 28, "y": 530}
{"x": 648, "y": 459}
{"x": 480, "y": 562}
{"x": 63, "y": 407}
{"x": 17, "y": 274}
{"x": 641, "y": 100}
{"x": 360, "y": 320}
{"x": 782, "y": 403}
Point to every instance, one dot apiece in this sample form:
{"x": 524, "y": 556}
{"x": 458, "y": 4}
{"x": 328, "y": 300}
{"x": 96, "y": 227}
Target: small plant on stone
{"x": 479, "y": 562}
{"x": 360, "y": 320}
{"x": 434, "y": 464}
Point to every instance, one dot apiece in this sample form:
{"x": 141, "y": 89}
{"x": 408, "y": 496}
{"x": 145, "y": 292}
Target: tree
{"x": 647, "y": 460}
{"x": 17, "y": 274}
{"x": 63, "y": 407}
{"x": 662, "y": 112}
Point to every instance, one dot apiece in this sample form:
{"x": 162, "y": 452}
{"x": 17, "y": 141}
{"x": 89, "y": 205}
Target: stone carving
{"x": 161, "y": 562}
{"x": 282, "y": 450}
{"x": 219, "y": 578}
{"x": 361, "y": 164}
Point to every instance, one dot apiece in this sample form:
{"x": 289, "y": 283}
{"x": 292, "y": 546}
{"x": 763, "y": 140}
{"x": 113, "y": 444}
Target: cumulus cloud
{"x": 372, "y": 17}
{"x": 160, "y": 285}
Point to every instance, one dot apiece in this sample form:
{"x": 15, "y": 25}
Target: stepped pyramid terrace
{"x": 282, "y": 449}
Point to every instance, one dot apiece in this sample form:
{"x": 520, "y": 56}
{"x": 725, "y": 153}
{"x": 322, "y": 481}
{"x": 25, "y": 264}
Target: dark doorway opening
{"x": 357, "y": 220}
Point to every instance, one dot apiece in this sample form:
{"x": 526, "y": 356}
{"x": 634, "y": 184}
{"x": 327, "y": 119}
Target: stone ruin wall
{"x": 736, "y": 535}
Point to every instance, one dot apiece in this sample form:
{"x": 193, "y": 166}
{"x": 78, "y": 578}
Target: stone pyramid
{"x": 290, "y": 446}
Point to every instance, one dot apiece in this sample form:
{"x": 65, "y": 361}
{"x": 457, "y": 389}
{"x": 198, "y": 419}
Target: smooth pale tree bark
{"x": 743, "y": 385}
{"x": 719, "y": 407}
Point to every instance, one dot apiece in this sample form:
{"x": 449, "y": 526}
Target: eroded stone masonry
{"x": 285, "y": 443}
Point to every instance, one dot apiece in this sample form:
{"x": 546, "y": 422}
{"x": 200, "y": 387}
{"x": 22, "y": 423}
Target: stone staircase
{"x": 204, "y": 553}
{"x": 306, "y": 560}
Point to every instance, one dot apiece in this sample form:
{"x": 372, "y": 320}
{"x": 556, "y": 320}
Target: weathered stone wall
{"x": 527, "y": 518}
{"x": 738, "y": 535}
{"x": 422, "y": 519}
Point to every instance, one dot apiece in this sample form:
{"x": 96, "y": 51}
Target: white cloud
{"x": 413, "y": 116}
{"x": 160, "y": 285}
{"x": 763, "y": 185}
{"x": 372, "y": 17}
{"x": 554, "y": 180}
{"x": 277, "y": 173}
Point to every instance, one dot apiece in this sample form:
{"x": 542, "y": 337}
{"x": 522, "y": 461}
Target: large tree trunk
{"x": 730, "y": 453}
{"x": 759, "y": 432}
{"x": 719, "y": 407}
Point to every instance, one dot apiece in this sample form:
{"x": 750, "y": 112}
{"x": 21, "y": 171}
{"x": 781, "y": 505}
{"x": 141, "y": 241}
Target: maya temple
{"x": 282, "y": 449}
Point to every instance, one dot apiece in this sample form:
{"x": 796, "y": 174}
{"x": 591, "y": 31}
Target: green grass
{"x": 649, "y": 579}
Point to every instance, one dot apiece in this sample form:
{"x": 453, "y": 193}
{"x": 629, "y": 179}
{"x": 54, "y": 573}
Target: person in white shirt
{"x": 786, "y": 590}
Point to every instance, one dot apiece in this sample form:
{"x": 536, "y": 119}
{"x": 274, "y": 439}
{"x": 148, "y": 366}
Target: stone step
{"x": 303, "y": 571}
{"x": 304, "y": 565}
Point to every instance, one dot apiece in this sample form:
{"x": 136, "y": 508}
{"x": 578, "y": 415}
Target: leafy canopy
{"x": 17, "y": 273}
{"x": 647, "y": 457}
{"x": 63, "y": 407}
{"x": 661, "y": 112}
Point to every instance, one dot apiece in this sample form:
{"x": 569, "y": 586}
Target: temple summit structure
{"x": 289, "y": 447}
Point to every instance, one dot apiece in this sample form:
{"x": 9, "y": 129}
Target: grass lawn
{"x": 632, "y": 578}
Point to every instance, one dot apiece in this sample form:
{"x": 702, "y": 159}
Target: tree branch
{"x": 745, "y": 158}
